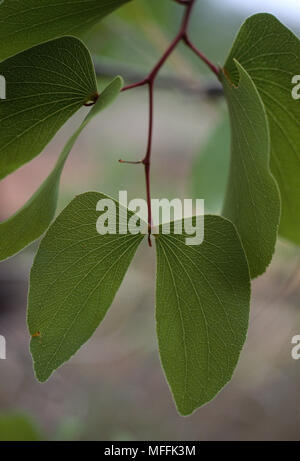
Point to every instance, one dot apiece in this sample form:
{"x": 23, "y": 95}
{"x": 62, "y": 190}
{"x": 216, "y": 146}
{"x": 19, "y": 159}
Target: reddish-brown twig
{"x": 182, "y": 36}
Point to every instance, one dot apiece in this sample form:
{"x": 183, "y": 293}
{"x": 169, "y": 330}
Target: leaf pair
{"x": 32, "y": 220}
{"x": 270, "y": 54}
{"x": 45, "y": 86}
{"x": 265, "y": 122}
{"x": 202, "y": 299}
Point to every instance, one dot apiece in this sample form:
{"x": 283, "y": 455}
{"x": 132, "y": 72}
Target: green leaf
{"x": 74, "y": 278}
{"x": 252, "y": 200}
{"x": 16, "y": 427}
{"x": 202, "y": 311}
{"x": 32, "y": 220}
{"x": 31, "y": 22}
{"x": 270, "y": 53}
{"x": 210, "y": 170}
{"x": 45, "y": 87}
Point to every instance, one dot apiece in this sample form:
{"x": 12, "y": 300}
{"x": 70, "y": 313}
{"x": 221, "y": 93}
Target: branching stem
{"x": 182, "y": 36}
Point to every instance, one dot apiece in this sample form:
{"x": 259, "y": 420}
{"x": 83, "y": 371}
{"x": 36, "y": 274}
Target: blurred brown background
{"x": 114, "y": 388}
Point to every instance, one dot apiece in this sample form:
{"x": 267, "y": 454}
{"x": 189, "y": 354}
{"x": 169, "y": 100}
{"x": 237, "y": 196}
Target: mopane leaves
{"x": 203, "y": 291}
{"x": 270, "y": 53}
{"x": 32, "y": 220}
{"x": 202, "y": 310}
{"x": 74, "y": 278}
{"x": 26, "y": 23}
{"x": 252, "y": 200}
{"x": 45, "y": 86}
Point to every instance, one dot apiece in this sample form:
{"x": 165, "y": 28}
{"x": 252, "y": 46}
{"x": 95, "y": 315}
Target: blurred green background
{"x": 114, "y": 388}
